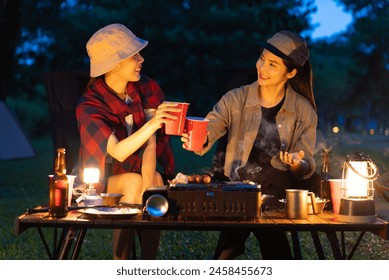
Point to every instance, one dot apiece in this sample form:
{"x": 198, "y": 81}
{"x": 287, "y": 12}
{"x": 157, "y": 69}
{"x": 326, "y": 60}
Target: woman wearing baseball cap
{"x": 119, "y": 118}
{"x": 271, "y": 127}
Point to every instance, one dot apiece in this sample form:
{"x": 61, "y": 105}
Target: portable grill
{"x": 217, "y": 199}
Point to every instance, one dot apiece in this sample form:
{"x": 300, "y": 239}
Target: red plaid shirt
{"x": 100, "y": 112}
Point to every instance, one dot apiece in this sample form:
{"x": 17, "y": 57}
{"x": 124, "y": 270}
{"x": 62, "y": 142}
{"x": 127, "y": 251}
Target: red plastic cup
{"x": 177, "y": 127}
{"x": 336, "y": 187}
{"x": 197, "y": 129}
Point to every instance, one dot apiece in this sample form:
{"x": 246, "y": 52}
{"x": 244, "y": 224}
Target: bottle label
{"x": 58, "y": 198}
{"x": 60, "y": 193}
{"x": 61, "y": 184}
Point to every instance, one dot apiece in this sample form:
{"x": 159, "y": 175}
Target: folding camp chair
{"x": 63, "y": 91}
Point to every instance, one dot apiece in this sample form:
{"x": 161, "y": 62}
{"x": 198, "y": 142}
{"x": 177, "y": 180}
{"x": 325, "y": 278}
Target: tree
{"x": 9, "y": 31}
{"x": 332, "y": 85}
{"x": 368, "y": 46}
{"x": 189, "y": 40}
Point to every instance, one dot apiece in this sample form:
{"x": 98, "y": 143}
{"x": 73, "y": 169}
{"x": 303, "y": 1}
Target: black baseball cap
{"x": 288, "y": 45}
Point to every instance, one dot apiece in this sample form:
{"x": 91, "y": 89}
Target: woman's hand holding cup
{"x": 163, "y": 114}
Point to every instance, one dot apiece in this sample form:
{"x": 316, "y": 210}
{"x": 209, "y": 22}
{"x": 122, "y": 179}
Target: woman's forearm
{"x": 120, "y": 150}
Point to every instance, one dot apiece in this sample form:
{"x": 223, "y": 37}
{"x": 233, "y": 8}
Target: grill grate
{"x": 234, "y": 200}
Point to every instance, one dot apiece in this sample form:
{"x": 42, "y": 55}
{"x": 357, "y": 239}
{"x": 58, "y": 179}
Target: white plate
{"x": 111, "y": 212}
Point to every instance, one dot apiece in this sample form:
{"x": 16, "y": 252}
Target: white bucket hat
{"x": 288, "y": 45}
{"x": 110, "y": 45}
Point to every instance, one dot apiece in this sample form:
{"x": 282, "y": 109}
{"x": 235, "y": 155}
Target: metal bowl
{"x": 111, "y": 199}
{"x": 320, "y": 204}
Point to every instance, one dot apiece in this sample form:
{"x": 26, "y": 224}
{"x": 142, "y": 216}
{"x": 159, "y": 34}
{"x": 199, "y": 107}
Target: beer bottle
{"x": 325, "y": 191}
{"x": 58, "y": 206}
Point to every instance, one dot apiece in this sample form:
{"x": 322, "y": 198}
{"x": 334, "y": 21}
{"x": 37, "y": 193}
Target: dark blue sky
{"x": 332, "y": 18}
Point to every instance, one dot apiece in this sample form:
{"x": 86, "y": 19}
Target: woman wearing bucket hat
{"x": 119, "y": 117}
{"x": 271, "y": 128}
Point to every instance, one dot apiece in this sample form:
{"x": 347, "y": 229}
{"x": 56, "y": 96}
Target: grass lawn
{"x": 23, "y": 184}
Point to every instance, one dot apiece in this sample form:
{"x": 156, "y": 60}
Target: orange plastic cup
{"x": 177, "y": 127}
{"x": 197, "y": 129}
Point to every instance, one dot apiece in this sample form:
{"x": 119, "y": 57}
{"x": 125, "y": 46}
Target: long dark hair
{"x": 302, "y": 82}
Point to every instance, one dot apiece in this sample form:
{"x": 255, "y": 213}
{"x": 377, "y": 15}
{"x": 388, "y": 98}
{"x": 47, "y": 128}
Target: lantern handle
{"x": 370, "y": 177}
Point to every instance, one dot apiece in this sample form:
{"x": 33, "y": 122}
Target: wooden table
{"x": 69, "y": 232}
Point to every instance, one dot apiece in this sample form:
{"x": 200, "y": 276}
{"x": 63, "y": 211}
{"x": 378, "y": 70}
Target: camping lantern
{"x": 357, "y": 204}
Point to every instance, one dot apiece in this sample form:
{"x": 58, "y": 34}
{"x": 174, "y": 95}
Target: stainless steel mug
{"x": 297, "y": 203}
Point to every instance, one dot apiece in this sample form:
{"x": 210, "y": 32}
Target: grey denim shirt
{"x": 238, "y": 112}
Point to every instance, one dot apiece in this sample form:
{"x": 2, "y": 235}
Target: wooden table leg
{"x": 47, "y": 248}
{"x": 318, "y": 246}
{"x": 355, "y": 247}
{"x": 296, "y": 245}
{"x": 67, "y": 243}
{"x": 80, "y": 240}
{"x": 334, "y": 242}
